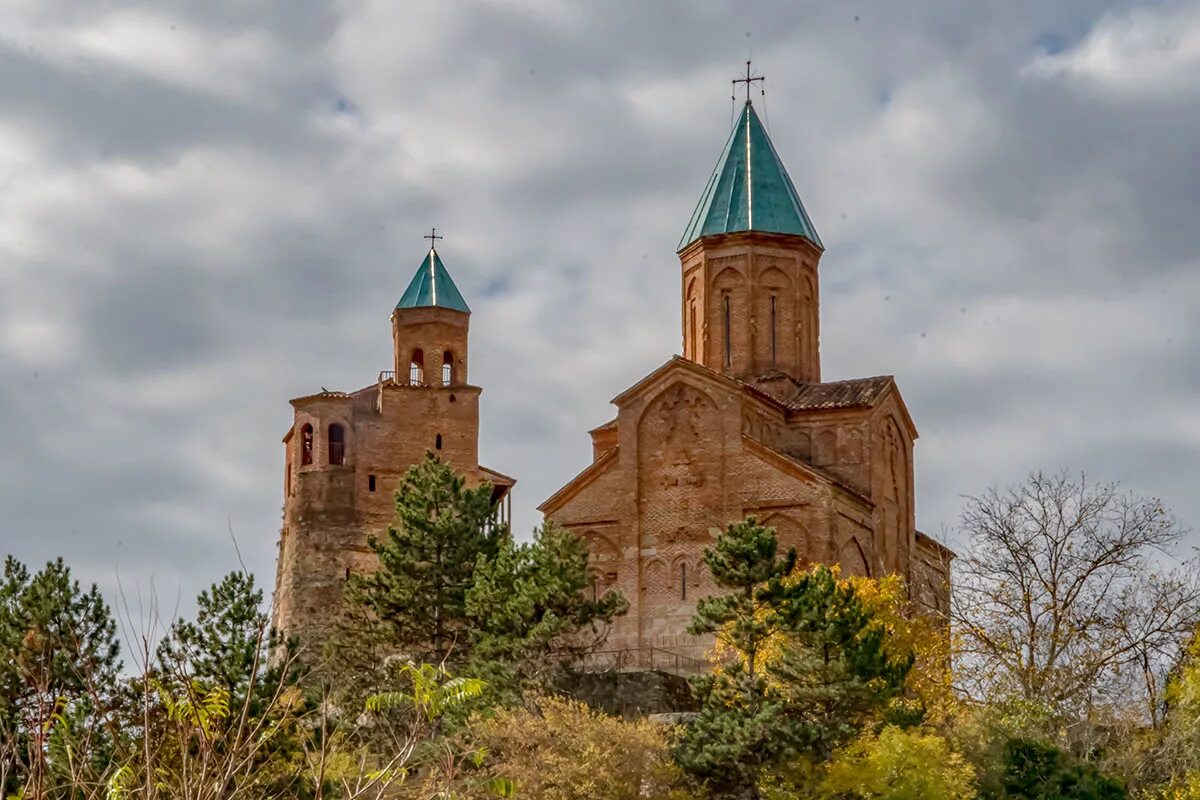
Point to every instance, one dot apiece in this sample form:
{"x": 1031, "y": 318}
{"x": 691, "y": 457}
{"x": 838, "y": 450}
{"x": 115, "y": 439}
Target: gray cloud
{"x": 206, "y": 211}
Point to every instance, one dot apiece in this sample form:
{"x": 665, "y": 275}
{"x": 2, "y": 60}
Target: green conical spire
{"x": 749, "y": 190}
{"x": 432, "y": 286}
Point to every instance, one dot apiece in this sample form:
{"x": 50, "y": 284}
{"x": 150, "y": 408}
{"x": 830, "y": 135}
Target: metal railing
{"x": 643, "y": 659}
{"x": 408, "y": 379}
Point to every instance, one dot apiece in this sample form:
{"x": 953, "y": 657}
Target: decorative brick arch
{"x": 655, "y": 581}
{"x": 603, "y": 559}
{"x": 853, "y": 559}
{"x": 791, "y": 532}
{"x": 729, "y": 278}
{"x": 774, "y": 278}
{"x": 893, "y": 504}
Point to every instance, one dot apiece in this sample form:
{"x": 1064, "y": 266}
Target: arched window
{"x": 306, "y": 444}
{"x": 337, "y": 444}
{"x": 447, "y": 368}
{"x": 728, "y": 337}
{"x": 437, "y": 442}
{"x": 416, "y": 369}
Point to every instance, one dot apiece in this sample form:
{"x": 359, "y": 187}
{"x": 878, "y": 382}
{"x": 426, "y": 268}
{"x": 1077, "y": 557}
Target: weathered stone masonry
{"x": 337, "y": 494}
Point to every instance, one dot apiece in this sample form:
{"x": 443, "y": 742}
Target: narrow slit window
{"x": 728, "y": 337}
{"x": 774, "y": 332}
{"x": 437, "y": 442}
{"x": 370, "y": 483}
{"x": 694, "y": 353}
{"x": 683, "y": 581}
{"x": 347, "y": 573}
{"x": 337, "y": 444}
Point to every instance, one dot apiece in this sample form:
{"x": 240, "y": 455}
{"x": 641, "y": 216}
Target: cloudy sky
{"x": 209, "y": 208}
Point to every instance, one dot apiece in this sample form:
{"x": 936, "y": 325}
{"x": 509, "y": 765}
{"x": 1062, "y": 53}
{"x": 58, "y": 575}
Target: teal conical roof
{"x": 749, "y": 190}
{"x": 431, "y": 286}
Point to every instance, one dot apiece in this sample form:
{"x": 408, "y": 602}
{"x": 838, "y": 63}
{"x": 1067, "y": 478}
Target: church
{"x": 740, "y": 424}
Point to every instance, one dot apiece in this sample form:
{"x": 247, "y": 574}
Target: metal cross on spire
{"x": 432, "y": 236}
{"x": 748, "y": 80}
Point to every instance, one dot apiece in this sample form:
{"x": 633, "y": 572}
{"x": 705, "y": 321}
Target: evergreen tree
{"x": 809, "y": 670}
{"x": 58, "y": 659}
{"x": 226, "y": 642}
{"x": 531, "y": 611}
{"x": 745, "y": 562}
{"x": 1039, "y": 771}
{"x": 415, "y": 603}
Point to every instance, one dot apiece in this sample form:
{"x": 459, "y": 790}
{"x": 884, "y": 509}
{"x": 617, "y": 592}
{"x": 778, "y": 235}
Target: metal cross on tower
{"x": 748, "y": 80}
{"x": 432, "y": 236}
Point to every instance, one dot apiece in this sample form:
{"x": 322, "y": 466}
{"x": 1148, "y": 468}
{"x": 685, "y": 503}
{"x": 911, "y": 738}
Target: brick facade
{"x": 336, "y": 496}
{"x": 739, "y": 425}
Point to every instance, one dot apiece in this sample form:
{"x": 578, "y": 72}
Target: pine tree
{"x": 810, "y": 667}
{"x": 532, "y": 613}
{"x": 745, "y": 561}
{"x": 415, "y": 603}
{"x": 226, "y": 643}
{"x": 58, "y": 657}
{"x": 740, "y": 729}
{"x": 1040, "y": 771}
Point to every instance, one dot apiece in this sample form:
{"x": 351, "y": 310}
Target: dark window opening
{"x": 306, "y": 444}
{"x": 347, "y": 573}
{"x": 774, "y": 338}
{"x": 451, "y": 398}
{"x": 683, "y": 581}
{"x": 416, "y": 368}
{"x": 595, "y": 590}
{"x": 694, "y": 351}
{"x": 370, "y": 483}
{"x": 447, "y": 368}
{"x": 728, "y": 337}
{"x": 287, "y": 480}
{"x": 437, "y": 442}
{"x": 337, "y": 444}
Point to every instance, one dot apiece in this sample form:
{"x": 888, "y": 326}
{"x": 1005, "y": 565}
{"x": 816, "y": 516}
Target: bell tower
{"x": 749, "y": 261}
{"x": 346, "y": 453}
{"x": 430, "y": 326}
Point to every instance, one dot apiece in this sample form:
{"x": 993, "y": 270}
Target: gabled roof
{"x": 589, "y": 474}
{"x": 749, "y": 190}
{"x": 797, "y": 396}
{"x": 432, "y": 286}
{"x": 496, "y": 478}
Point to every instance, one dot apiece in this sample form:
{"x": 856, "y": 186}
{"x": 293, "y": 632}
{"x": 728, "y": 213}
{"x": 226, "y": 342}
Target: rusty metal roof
{"x": 797, "y": 396}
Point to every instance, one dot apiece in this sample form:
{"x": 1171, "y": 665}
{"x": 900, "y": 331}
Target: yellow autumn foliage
{"x": 908, "y": 631}
{"x": 564, "y": 750}
{"x": 899, "y": 765}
